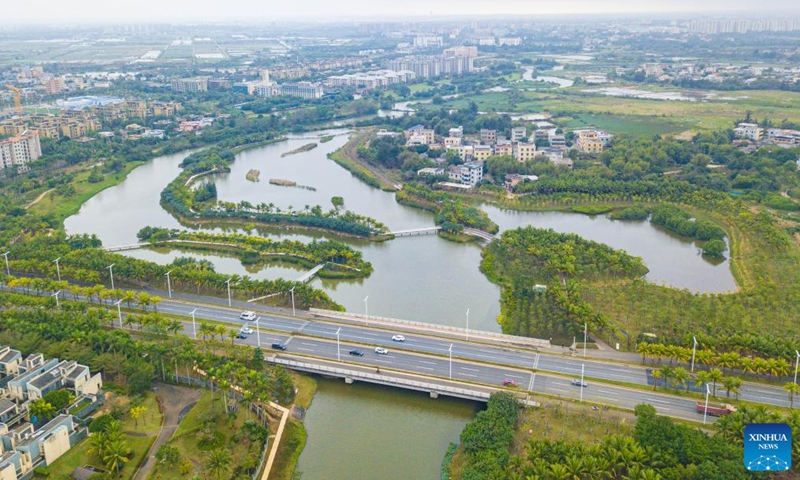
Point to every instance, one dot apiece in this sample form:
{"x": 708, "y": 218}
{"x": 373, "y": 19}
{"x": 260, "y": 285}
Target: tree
{"x": 59, "y": 399}
{"x": 792, "y": 388}
{"x": 218, "y": 462}
{"x": 41, "y": 409}
{"x": 716, "y": 375}
{"x": 136, "y": 412}
{"x": 116, "y": 455}
{"x": 168, "y": 454}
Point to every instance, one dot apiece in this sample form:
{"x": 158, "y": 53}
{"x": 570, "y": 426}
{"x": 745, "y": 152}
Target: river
{"x": 561, "y": 82}
{"x": 355, "y": 431}
{"x": 362, "y": 432}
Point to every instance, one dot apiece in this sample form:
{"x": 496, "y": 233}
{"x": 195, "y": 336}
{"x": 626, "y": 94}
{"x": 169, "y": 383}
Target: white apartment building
{"x": 19, "y": 150}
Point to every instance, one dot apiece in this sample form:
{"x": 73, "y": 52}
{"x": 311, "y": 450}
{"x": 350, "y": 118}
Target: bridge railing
{"x": 378, "y": 378}
{"x": 500, "y": 337}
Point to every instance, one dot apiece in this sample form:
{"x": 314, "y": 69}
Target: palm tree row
{"x": 730, "y": 361}
{"x": 678, "y": 377}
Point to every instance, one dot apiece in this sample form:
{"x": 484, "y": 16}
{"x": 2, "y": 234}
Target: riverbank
{"x": 347, "y": 157}
{"x": 304, "y": 148}
{"x": 295, "y": 435}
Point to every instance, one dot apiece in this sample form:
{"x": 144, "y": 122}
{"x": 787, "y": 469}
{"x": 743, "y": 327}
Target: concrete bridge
{"x": 416, "y": 231}
{"x": 306, "y": 277}
{"x": 434, "y": 387}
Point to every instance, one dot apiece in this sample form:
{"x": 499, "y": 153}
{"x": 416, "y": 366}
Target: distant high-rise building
{"x": 197, "y": 84}
{"x": 19, "y": 150}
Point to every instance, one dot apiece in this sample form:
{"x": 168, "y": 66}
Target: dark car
{"x": 241, "y": 335}
{"x": 356, "y": 353}
{"x": 279, "y": 346}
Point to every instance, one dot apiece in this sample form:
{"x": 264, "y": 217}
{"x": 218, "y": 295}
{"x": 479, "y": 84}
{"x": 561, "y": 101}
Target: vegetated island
{"x": 253, "y": 175}
{"x": 304, "y": 148}
{"x": 289, "y": 183}
{"x": 326, "y": 139}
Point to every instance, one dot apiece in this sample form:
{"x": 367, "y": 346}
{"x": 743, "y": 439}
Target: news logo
{"x": 767, "y": 447}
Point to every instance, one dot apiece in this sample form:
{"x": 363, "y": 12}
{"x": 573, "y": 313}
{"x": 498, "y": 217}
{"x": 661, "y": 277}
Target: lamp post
{"x": 119, "y": 311}
{"x": 585, "y": 333}
{"x": 8, "y": 271}
{"x": 450, "y": 350}
{"x": 694, "y": 350}
{"x": 194, "y": 325}
{"x": 534, "y": 367}
{"x": 705, "y": 410}
{"x": 582, "y": 387}
{"x": 366, "y": 310}
{"x": 58, "y": 268}
{"x": 169, "y": 285}
{"x": 111, "y": 272}
{"x": 338, "y": 349}
{"x": 228, "y": 283}
{"x": 258, "y": 332}
{"x": 468, "y": 324}
{"x": 797, "y": 360}
{"x": 56, "y": 295}
{"x": 292, "y": 292}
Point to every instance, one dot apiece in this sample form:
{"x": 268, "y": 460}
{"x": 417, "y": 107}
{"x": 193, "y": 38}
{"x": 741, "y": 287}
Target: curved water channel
{"x": 386, "y": 433}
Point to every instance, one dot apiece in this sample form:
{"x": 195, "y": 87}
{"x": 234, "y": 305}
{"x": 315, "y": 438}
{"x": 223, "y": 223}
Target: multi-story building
{"x": 488, "y": 137}
{"x": 503, "y": 147}
{"x": 587, "y": 141}
{"x": 518, "y": 134}
{"x": 481, "y": 152}
{"x": 18, "y": 151}
{"x": 510, "y": 41}
{"x": 462, "y": 51}
{"x": 451, "y": 142}
{"x": 456, "y": 132}
{"x": 749, "y": 130}
{"x": 470, "y": 173}
{"x": 70, "y": 123}
{"x": 433, "y": 65}
{"x": 305, "y": 90}
{"x": 54, "y": 86}
{"x": 190, "y": 85}
{"x": 524, "y": 151}
{"x": 419, "y": 135}
{"x": 373, "y": 79}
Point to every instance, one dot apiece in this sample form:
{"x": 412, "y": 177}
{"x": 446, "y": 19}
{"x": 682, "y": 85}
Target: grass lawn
{"x": 636, "y": 125}
{"x": 64, "y": 207}
{"x": 149, "y": 421}
{"x": 292, "y": 443}
{"x": 78, "y": 456}
{"x": 189, "y": 432}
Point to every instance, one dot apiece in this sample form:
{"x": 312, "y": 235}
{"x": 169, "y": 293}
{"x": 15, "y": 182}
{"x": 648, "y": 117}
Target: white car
{"x": 246, "y": 329}
{"x": 398, "y": 338}
{"x": 381, "y": 351}
{"x": 249, "y": 316}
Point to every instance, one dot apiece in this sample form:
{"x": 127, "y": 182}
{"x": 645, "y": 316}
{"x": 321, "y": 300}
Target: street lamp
{"x": 468, "y": 324}
{"x": 111, "y": 272}
{"x": 582, "y": 387}
{"x": 694, "y": 349}
{"x": 228, "y": 283}
{"x": 797, "y": 359}
{"x": 451, "y": 360}
{"x": 194, "y": 325}
{"x": 338, "y": 350}
{"x": 366, "y": 311}
{"x": 119, "y": 311}
{"x": 533, "y": 373}
{"x": 292, "y": 292}
{"x": 705, "y": 410}
{"x": 585, "y": 332}
{"x": 56, "y": 295}
{"x": 169, "y": 285}
{"x": 258, "y": 332}
{"x": 8, "y": 271}
{"x": 58, "y": 268}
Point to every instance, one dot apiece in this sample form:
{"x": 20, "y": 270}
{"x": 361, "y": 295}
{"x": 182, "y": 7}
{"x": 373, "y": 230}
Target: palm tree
{"x": 792, "y": 388}
{"x": 219, "y": 462}
{"x": 42, "y": 409}
{"x": 656, "y": 377}
{"x": 701, "y": 379}
{"x": 715, "y": 375}
{"x": 681, "y": 377}
{"x": 116, "y": 455}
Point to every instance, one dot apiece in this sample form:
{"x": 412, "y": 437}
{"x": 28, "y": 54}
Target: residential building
{"x": 426, "y": 41}
{"x": 48, "y": 443}
{"x": 431, "y": 171}
{"x": 556, "y": 156}
{"x": 432, "y": 65}
{"x": 451, "y": 142}
{"x": 419, "y": 135}
{"x": 518, "y": 134}
{"x": 372, "y": 79}
{"x": 556, "y": 140}
{"x": 456, "y": 132}
{"x": 10, "y": 466}
{"x": 488, "y": 137}
{"x": 587, "y": 141}
{"x": 510, "y": 41}
{"x": 523, "y": 151}
{"x": 70, "y": 123}
{"x": 481, "y": 152}
{"x": 471, "y": 173}
{"x": 18, "y": 151}
{"x": 504, "y": 147}
{"x": 462, "y": 51}
{"x": 54, "y": 86}
{"x": 465, "y": 152}
{"x": 190, "y": 85}
{"x": 10, "y": 360}
{"x": 749, "y": 130}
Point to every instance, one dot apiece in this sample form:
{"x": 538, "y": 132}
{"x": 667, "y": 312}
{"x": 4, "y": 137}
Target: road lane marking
{"x": 305, "y": 349}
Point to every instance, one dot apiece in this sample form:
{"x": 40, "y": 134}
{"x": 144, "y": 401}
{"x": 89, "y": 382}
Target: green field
{"x": 628, "y": 124}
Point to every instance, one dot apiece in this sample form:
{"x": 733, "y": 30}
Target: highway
{"x": 475, "y": 352}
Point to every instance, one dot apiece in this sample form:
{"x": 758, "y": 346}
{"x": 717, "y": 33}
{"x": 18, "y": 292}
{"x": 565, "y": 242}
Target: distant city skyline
{"x": 93, "y": 11}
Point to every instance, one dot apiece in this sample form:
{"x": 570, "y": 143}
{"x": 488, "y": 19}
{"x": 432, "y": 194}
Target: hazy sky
{"x": 80, "y": 11}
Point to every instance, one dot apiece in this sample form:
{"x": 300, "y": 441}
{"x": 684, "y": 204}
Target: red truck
{"x": 715, "y": 409}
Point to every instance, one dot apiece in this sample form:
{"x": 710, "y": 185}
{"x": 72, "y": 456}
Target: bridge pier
{"x": 434, "y": 394}
{"x": 348, "y": 380}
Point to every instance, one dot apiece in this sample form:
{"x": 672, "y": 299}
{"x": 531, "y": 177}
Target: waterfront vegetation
{"x": 340, "y": 260}
{"x": 304, "y": 148}
{"x": 182, "y": 201}
{"x": 450, "y": 211}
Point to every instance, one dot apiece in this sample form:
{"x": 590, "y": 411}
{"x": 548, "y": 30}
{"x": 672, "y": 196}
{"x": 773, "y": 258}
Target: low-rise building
{"x": 469, "y": 174}
{"x": 518, "y": 134}
{"x": 481, "y": 152}
{"x": 456, "y": 132}
{"x": 190, "y": 85}
{"x": 504, "y": 147}
{"x": 488, "y": 137}
{"x": 451, "y": 142}
{"x": 431, "y": 171}
{"x": 588, "y": 141}
{"x": 524, "y": 151}
{"x": 419, "y": 135}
